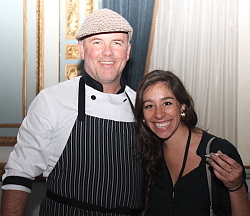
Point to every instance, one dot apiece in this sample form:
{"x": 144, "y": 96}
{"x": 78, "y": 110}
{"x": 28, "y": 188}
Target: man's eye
{"x": 96, "y": 42}
{"x": 117, "y": 43}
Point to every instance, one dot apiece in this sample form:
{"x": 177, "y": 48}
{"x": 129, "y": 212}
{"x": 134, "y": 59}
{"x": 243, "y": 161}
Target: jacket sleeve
{"x": 30, "y": 155}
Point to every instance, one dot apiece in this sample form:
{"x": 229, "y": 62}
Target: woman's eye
{"x": 148, "y": 106}
{"x": 167, "y": 103}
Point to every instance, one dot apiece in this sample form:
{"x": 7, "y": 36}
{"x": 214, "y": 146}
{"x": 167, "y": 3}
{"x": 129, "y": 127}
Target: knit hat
{"x": 104, "y": 21}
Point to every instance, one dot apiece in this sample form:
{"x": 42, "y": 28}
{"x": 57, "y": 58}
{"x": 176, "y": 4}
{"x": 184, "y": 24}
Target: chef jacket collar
{"x": 98, "y": 86}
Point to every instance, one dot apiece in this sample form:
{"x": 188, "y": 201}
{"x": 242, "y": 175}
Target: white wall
{"x": 243, "y": 123}
{"x": 51, "y": 42}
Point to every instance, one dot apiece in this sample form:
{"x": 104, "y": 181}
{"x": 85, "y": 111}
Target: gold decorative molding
{"x": 7, "y": 141}
{"x": 39, "y": 45}
{"x": 71, "y": 71}
{"x": 71, "y": 52}
{"x": 72, "y": 18}
{"x": 89, "y": 7}
{"x": 152, "y": 34}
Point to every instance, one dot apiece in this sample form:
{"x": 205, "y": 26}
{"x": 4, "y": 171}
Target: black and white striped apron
{"x": 97, "y": 167}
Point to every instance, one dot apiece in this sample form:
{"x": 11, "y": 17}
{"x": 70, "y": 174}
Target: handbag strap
{"x": 209, "y": 178}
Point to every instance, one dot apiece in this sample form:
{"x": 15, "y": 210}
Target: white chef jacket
{"x": 49, "y": 121}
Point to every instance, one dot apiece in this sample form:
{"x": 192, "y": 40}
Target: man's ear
{"x": 81, "y": 49}
{"x": 128, "y": 51}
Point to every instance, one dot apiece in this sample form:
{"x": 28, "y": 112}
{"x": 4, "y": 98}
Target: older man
{"x": 80, "y": 134}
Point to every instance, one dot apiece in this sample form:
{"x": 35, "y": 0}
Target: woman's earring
{"x": 183, "y": 115}
{"x": 143, "y": 120}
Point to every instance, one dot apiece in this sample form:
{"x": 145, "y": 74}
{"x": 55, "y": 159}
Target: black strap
{"x": 131, "y": 104}
{"x": 91, "y": 207}
{"x": 185, "y": 155}
{"x": 81, "y": 100}
{"x": 18, "y": 180}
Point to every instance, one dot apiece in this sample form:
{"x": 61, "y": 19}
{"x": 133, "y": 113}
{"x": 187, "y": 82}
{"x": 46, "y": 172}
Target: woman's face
{"x": 161, "y": 110}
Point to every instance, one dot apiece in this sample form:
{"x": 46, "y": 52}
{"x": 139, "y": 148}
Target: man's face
{"x": 105, "y": 56}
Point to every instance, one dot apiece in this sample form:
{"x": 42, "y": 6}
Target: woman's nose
{"x": 159, "y": 113}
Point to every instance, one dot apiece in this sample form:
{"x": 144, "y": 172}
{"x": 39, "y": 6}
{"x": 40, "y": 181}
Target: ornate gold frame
{"x": 10, "y": 141}
{"x": 39, "y": 45}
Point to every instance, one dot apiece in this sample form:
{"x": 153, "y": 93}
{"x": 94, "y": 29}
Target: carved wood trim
{"x": 14, "y": 125}
{"x": 7, "y": 141}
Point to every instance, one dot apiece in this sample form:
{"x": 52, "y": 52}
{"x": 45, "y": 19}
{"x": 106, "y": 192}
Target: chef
{"x": 80, "y": 134}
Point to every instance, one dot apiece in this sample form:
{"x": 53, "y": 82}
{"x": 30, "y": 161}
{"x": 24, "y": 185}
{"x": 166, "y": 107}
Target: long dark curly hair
{"x": 151, "y": 146}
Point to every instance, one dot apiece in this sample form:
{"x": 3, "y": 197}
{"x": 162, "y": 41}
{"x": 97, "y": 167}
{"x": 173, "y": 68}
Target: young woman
{"x": 173, "y": 155}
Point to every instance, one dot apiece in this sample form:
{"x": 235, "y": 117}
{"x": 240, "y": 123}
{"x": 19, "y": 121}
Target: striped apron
{"x": 97, "y": 173}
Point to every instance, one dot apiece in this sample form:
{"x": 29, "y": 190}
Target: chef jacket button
{"x": 93, "y": 97}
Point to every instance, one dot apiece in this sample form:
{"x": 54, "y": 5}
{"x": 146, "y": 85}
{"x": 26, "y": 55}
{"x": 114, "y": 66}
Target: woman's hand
{"x": 230, "y": 173}
{"x": 227, "y": 170}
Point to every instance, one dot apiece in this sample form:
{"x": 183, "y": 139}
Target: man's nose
{"x": 107, "y": 51}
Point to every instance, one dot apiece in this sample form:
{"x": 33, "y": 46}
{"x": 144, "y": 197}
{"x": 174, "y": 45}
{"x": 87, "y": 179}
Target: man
{"x": 80, "y": 134}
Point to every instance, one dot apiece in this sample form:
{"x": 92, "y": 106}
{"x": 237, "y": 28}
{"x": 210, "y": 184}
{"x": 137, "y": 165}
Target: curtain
{"x": 197, "y": 40}
{"x": 139, "y": 14}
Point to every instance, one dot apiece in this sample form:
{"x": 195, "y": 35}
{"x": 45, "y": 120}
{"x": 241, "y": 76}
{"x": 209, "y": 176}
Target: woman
{"x": 173, "y": 155}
